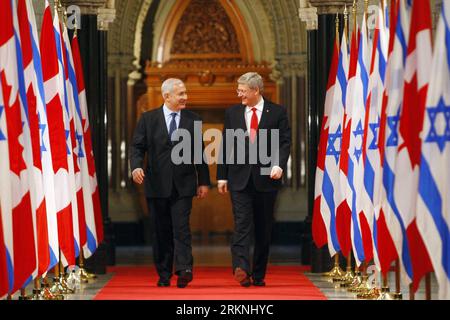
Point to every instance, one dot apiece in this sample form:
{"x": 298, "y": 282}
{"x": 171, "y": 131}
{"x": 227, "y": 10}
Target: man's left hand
{"x": 202, "y": 192}
{"x": 276, "y": 173}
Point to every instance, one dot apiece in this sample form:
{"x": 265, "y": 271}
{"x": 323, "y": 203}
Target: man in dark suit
{"x": 253, "y": 184}
{"x": 169, "y": 186}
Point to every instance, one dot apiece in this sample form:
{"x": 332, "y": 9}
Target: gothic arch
{"x": 276, "y": 31}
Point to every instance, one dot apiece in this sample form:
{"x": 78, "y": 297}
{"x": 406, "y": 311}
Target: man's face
{"x": 249, "y": 97}
{"x": 177, "y": 99}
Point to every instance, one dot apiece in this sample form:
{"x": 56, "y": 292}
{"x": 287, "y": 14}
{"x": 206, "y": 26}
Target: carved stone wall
{"x": 205, "y": 28}
{"x": 278, "y": 36}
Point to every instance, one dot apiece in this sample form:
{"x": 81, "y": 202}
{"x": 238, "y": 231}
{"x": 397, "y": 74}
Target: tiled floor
{"x": 219, "y": 255}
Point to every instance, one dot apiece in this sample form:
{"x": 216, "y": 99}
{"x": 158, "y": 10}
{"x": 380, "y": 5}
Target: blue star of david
{"x": 80, "y": 149}
{"x": 433, "y": 136}
{"x": 2, "y": 136}
{"x": 358, "y": 132}
{"x": 67, "y": 137}
{"x": 393, "y": 122}
{"x": 42, "y": 128}
{"x": 331, "y": 149}
{"x": 374, "y": 128}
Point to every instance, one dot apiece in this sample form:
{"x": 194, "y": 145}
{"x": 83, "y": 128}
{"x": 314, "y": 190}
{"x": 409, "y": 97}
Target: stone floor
{"x": 219, "y": 255}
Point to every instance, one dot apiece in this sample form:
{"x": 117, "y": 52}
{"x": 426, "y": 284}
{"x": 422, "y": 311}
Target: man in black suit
{"x": 169, "y": 186}
{"x": 253, "y": 181}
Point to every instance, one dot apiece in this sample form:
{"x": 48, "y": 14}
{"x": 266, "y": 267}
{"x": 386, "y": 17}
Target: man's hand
{"x": 202, "y": 192}
{"x": 276, "y": 173}
{"x": 138, "y": 175}
{"x": 222, "y": 186}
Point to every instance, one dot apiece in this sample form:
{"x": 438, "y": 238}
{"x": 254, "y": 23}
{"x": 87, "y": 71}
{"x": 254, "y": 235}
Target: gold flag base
{"x": 84, "y": 275}
{"x": 372, "y": 294}
{"x": 46, "y": 294}
{"x": 357, "y": 280}
{"x": 60, "y": 287}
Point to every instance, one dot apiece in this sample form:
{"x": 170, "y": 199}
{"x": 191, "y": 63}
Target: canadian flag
{"x": 59, "y": 133}
{"x": 85, "y": 204}
{"x": 417, "y": 76}
{"x": 88, "y": 143}
{"x": 321, "y": 216}
{"x": 19, "y": 215}
{"x": 6, "y": 242}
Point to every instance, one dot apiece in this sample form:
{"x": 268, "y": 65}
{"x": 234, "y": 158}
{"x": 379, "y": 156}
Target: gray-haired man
{"x": 169, "y": 188}
{"x": 253, "y": 190}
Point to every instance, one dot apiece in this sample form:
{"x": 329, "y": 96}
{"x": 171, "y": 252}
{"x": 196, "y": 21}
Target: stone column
{"x": 319, "y": 16}
{"x": 95, "y": 18}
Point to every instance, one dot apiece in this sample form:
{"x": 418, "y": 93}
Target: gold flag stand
{"x": 367, "y": 290}
{"x": 23, "y": 295}
{"x": 349, "y": 276}
{"x": 82, "y": 273}
{"x": 397, "y": 295}
{"x": 46, "y": 292}
{"x": 428, "y": 286}
{"x": 336, "y": 272}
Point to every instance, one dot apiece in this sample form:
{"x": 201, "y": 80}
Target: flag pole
{"x": 366, "y": 12}
{"x": 62, "y": 280}
{"x": 84, "y": 275}
{"x": 412, "y": 295}
{"x": 57, "y": 288}
{"x": 369, "y": 291}
{"x": 398, "y": 293}
{"x": 336, "y": 271}
{"x": 428, "y": 286}
{"x": 385, "y": 291}
{"x": 23, "y": 295}
{"x": 46, "y": 293}
{"x": 345, "y": 22}
{"x": 349, "y": 277}
{"x": 354, "y": 7}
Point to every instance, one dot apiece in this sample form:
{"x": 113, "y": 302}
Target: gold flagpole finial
{"x": 75, "y": 32}
{"x": 354, "y": 8}
{"x": 337, "y": 26}
{"x": 345, "y": 21}
{"x": 65, "y": 17}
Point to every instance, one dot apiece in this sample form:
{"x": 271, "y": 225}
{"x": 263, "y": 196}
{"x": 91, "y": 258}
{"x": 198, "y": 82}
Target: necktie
{"x": 253, "y": 126}
{"x": 172, "y": 126}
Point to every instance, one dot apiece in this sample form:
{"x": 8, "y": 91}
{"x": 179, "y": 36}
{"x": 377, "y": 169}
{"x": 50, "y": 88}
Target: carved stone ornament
{"x": 86, "y": 6}
{"x": 309, "y": 15}
{"x": 203, "y": 29}
{"x": 330, "y": 6}
{"x": 206, "y": 78}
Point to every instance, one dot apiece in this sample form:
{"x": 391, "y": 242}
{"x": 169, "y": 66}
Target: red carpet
{"x": 210, "y": 283}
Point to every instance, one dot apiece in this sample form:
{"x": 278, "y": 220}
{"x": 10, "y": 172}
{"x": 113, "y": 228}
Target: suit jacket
{"x": 161, "y": 174}
{"x": 273, "y": 117}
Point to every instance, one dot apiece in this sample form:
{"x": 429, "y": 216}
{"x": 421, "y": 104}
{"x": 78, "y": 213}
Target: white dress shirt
{"x": 248, "y": 118}
{"x": 168, "y": 118}
{"x": 249, "y": 113}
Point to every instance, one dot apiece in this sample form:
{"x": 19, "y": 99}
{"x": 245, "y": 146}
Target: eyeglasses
{"x": 242, "y": 92}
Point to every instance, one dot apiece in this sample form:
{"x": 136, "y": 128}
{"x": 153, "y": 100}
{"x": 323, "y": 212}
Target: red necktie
{"x": 253, "y": 126}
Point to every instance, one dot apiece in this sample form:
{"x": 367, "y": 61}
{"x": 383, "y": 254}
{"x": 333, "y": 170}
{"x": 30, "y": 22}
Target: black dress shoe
{"x": 163, "y": 283}
{"x": 184, "y": 277}
{"x": 242, "y": 277}
{"x": 259, "y": 282}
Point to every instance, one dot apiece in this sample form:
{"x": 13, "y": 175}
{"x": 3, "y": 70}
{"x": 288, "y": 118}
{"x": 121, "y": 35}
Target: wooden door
{"x": 212, "y": 215}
